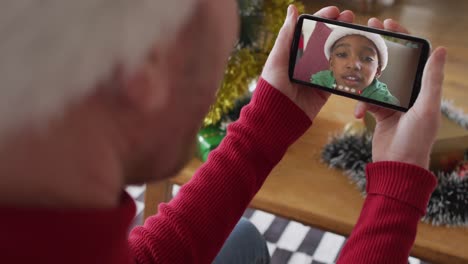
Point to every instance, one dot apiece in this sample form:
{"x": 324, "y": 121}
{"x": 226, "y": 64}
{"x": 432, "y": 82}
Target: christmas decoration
{"x": 451, "y": 141}
{"x": 242, "y": 68}
{"x": 355, "y": 128}
{"x": 234, "y": 114}
{"x": 208, "y": 139}
{"x": 448, "y": 204}
{"x": 350, "y": 153}
{"x": 462, "y": 168}
{"x": 261, "y": 20}
{"x": 454, "y": 113}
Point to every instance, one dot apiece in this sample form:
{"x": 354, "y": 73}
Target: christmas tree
{"x": 261, "y": 21}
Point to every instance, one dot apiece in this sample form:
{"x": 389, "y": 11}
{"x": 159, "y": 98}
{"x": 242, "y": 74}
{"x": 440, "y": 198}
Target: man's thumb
{"x": 433, "y": 78}
{"x": 285, "y": 36}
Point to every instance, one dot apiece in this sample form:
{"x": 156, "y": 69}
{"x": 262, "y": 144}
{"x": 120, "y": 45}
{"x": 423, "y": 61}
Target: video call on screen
{"x": 365, "y": 64}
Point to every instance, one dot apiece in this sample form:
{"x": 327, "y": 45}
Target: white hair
{"x": 53, "y": 52}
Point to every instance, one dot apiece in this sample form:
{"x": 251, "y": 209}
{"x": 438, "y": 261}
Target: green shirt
{"x": 376, "y": 90}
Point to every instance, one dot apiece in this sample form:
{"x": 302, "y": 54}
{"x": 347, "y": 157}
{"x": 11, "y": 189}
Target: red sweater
{"x": 194, "y": 225}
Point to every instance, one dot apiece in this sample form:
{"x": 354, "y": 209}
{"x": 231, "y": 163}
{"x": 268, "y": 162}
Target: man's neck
{"x": 72, "y": 164}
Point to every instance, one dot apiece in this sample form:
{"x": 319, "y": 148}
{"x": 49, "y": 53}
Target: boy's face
{"x": 354, "y": 62}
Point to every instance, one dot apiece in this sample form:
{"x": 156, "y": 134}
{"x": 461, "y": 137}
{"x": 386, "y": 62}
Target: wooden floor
{"x": 443, "y": 23}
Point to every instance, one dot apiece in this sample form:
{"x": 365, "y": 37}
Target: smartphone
{"x": 376, "y": 66}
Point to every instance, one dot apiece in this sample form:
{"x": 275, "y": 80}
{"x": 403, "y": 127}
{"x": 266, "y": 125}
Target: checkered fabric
{"x": 288, "y": 241}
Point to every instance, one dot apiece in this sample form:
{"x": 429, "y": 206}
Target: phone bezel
{"x": 425, "y": 51}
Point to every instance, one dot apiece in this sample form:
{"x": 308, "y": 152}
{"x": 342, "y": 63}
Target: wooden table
{"x": 306, "y": 190}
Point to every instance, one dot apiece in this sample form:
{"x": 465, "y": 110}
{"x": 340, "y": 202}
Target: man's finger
{"x": 286, "y": 34}
{"x": 394, "y": 26}
{"x": 360, "y": 110}
{"x": 379, "y": 113}
{"x": 346, "y": 16}
{"x": 375, "y": 23}
{"x": 280, "y": 53}
{"x": 330, "y": 12}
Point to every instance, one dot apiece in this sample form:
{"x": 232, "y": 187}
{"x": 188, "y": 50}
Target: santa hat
{"x": 54, "y": 53}
{"x": 341, "y": 32}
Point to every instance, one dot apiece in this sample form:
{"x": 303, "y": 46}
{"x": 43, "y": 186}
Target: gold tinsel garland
{"x": 246, "y": 64}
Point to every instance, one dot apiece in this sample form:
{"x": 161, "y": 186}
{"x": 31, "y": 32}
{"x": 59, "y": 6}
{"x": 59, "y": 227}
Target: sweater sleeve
{"x": 194, "y": 225}
{"x": 398, "y": 194}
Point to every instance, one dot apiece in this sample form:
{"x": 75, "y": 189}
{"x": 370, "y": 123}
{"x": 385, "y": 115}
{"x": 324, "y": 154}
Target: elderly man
{"x": 97, "y": 94}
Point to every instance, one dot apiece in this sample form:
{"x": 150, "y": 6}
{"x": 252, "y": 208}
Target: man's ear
{"x": 379, "y": 72}
{"x": 146, "y": 88}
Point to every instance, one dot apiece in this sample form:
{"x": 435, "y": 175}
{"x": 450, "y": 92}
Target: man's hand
{"x": 275, "y": 72}
{"x": 408, "y": 137}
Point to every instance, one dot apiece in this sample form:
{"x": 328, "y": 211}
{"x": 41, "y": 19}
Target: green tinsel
{"x": 261, "y": 21}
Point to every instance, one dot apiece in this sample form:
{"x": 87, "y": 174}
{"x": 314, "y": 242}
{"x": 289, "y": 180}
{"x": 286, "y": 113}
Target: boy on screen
{"x": 356, "y": 61}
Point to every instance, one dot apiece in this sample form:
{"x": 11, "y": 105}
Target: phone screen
{"x": 371, "y": 65}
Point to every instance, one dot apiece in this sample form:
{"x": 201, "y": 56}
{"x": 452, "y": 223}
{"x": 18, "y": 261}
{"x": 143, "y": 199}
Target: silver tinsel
{"x": 455, "y": 114}
{"x": 350, "y": 153}
{"x": 448, "y": 204}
